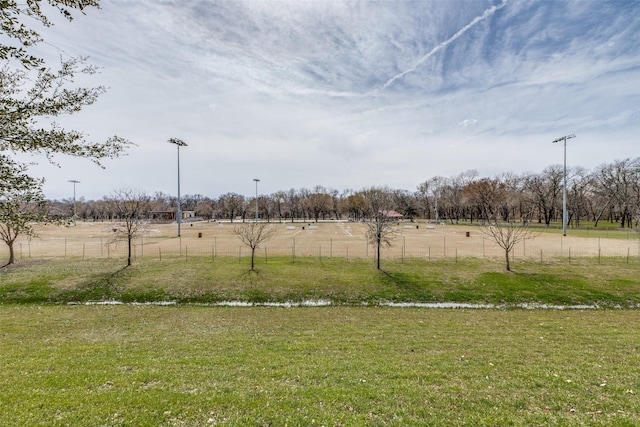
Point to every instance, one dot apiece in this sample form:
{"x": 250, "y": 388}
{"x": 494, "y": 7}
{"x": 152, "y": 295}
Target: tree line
{"x": 609, "y": 193}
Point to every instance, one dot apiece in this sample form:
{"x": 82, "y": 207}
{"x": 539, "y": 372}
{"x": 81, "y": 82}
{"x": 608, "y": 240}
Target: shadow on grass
{"x": 97, "y": 287}
{"x": 405, "y": 287}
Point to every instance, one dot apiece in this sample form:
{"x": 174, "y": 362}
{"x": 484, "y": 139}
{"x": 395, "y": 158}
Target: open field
{"x": 341, "y": 365}
{"x": 324, "y": 239}
{"x": 332, "y": 366}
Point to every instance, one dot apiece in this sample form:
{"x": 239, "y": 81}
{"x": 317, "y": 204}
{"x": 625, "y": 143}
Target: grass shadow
{"x": 96, "y": 287}
{"x": 405, "y": 287}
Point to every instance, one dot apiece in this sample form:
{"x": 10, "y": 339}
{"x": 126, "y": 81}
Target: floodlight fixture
{"x": 565, "y": 215}
{"x": 75, "y": 211}
{"x": 179, "y": 143}
{"x": 257, "y": 181}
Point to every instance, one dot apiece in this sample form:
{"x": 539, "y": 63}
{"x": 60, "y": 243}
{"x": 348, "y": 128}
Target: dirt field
{"x": 324, "y": 239}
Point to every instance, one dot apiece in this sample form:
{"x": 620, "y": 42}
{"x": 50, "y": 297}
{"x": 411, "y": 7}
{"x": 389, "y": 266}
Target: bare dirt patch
{"x": 323, "y": 239}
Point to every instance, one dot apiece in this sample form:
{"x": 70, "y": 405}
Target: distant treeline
{"x": 610, "y": 193}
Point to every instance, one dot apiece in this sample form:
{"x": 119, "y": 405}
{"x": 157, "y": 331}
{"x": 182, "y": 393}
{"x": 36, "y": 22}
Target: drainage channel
{"x": 327, "y": 303}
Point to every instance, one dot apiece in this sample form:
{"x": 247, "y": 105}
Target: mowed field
{"x": 322, "y": 239}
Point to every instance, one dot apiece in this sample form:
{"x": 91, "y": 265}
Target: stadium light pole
{"x": 75, "y": 211}
{"x": 257, "y": 181}
{"x": 564, "y": 185}
{"x": 179, "y": 143}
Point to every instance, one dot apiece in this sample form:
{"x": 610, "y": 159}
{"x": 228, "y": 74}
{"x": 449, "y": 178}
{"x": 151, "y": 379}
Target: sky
{"x": 347, "y": 94}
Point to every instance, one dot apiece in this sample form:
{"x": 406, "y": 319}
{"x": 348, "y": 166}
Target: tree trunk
{"x": 253, "y": 255}
{"x": 129, "y": 251}
{"x": 378, "y": 256}
{"x": 11, "y": 254}
{"x": 506, "y": 254}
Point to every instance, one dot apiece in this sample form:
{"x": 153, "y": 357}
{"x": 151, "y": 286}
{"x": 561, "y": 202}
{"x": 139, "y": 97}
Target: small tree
{"x": 131, "y": 208}
{"x": 22, "y": 203}
{"x": 507, "y": 235}
{"x": 252, "y": 235}
{"x": 380, "y": 232}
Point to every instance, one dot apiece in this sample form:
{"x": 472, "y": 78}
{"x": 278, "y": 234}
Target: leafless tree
{"x": 380, "y": 232}
{"x": 233, "y": 204}
{"x": 131, "y": 209}
{"x": 619, "y": 188}
{"x": 253, "y": 234}
{"x": 545, "y": 191}
{"x": 507, "y": 235}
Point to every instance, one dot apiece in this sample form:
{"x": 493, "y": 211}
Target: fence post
{"x": 540, "y": 256}
{"x": 444, "y": 246}
{"x": 83, "y": 245}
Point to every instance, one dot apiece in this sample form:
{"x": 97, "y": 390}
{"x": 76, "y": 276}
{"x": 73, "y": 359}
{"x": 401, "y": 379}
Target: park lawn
{"x": 352, "y": 366}
{"x": 584, "y": 281}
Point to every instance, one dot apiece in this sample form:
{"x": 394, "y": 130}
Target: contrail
{"x": 487, "y": 13}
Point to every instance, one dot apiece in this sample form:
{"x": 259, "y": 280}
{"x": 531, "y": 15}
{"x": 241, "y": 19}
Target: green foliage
{"x": 21, "y": 203}
{"x": 31, "y": 94}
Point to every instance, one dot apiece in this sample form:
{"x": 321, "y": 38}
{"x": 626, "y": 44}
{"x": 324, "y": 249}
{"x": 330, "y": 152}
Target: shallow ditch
{"x": 327, "y": 303}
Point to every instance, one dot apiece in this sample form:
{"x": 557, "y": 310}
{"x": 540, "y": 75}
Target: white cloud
{"x": 350, "y": 94}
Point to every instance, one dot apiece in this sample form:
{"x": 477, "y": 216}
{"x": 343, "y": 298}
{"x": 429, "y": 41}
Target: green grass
{"x": 605, "y": 229}
{"x": 199, "y": 366}
{"x": 608, "y": 282}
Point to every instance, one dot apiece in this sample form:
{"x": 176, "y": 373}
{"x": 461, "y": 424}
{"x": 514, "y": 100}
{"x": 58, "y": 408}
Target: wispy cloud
{"x": 353, "y": 93}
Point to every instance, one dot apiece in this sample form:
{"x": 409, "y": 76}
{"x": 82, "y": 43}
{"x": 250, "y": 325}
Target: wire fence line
{"x": 433, "y": 249}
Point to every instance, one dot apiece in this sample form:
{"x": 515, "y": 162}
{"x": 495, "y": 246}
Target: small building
{"x": 394, "y": 215}
{"x": 164, "y": 214}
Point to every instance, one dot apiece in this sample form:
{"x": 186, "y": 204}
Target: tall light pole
{"x": 179, "y": 143}
{"x": 75, "y": 211}
{"x": 565, "y": 215}
{"x": 257, "y": 181}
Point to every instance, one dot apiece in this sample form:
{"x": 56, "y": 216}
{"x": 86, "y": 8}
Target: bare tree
{"x": 233, "y": 204}
{"x": 545, "y": 191}
{"x": 507, "y": 235}
{"x": 253, "y": 234}
{"x": 380, "y": 233}
{"x": 131, "y": 209}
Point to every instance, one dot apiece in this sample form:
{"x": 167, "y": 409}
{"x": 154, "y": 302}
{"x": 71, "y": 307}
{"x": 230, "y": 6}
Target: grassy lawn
{"x": 610, "y": 282}
{"x": 350, "y": 366}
